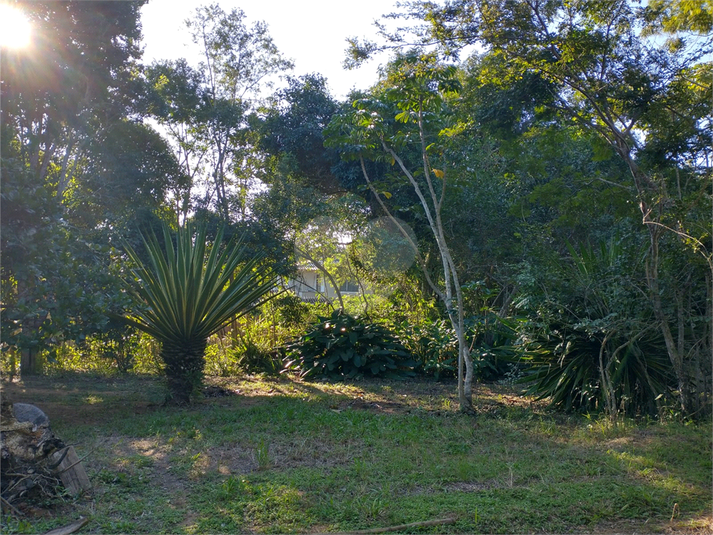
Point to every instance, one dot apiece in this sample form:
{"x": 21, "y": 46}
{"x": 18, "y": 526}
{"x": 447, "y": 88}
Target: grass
{"x": 284, "y": 456}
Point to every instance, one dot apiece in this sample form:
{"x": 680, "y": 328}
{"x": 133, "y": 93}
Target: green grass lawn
{"x": 283, "y": 456}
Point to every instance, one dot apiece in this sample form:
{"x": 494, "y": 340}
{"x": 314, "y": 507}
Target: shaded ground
{"x": 274, "y": 455}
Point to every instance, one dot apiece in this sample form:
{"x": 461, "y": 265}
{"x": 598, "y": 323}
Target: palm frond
{"x": 185, "y": 291}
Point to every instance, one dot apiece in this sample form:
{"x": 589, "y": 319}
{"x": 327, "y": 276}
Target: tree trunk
{"x": 184, "y": 369}
{"x": 675, "y": 357}
{"x": 30, "y": 358}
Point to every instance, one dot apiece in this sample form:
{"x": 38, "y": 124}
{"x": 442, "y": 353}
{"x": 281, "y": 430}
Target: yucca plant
{"x": 188, "y": 292}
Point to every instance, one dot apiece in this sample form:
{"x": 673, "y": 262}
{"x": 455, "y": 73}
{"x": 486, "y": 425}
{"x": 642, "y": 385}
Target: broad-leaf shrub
{"x": 344, "y": 346}
{"x": 434, "y": 347}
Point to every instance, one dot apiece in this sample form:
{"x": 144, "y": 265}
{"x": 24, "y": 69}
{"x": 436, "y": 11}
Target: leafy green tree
{"x": 58, "y": 284}
{"x": 409, "y": 112}
{"x": 294, "y": 129}
{"x": 188, "y": 291}
{"x": 175, "y": 99}
{"x": 64, "y": 106}
{"x": 239, "y": 62}
{"x": 129, "y": 168}
{"x": 77, "y": 78}
{"x": 644, "y": 97}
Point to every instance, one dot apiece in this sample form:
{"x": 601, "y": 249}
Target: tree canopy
{"x": 532, "y": 176}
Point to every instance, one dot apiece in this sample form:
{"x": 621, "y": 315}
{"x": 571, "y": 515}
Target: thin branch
{"x": 419, "y": 258}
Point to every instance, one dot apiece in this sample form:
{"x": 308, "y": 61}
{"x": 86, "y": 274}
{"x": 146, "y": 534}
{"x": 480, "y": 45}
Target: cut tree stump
{"x": 70, "y": 471}
{"x": 34, "y": 460}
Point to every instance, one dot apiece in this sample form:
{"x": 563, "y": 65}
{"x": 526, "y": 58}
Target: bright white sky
{"x": 312, "y": 33}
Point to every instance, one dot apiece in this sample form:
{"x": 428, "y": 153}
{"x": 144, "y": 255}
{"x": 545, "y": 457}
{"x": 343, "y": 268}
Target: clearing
{"x": 266, "y": 455}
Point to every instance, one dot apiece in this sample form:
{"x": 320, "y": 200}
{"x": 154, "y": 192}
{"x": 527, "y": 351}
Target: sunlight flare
{"x": 15, "y": 29}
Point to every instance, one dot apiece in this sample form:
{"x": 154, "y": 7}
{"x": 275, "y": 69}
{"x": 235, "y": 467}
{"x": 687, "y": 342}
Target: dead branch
{"x": 71, "y": 528}
{"x": 425, "y": 523}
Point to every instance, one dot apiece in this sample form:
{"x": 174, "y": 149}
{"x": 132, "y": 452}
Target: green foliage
{"x": 563, "y": 366}
{"x": 294, "y": 127}
{"x": 243, "y": 357}
{"x": 103, "y": 355}
{"x": 592, "y": 344}
{"x": 58, "y": 281}
{"x": 433, "y": 345}
{"x": 494, "y": 343}
{"x": 187, "y": 293}
{"x": 344, "y": 346}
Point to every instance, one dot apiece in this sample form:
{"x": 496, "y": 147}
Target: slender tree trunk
{"x": 326, "y": 273}
{"x": 674, "y": 355}
{"x": 646, "y": 188}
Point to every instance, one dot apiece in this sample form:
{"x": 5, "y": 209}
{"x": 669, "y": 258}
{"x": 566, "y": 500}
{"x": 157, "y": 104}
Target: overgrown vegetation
{"x": 490, "y": 205}
{"x": 347, "y": 347}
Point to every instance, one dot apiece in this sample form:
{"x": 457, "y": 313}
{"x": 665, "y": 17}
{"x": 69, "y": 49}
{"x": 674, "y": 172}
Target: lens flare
{"x": 15, "y": 29}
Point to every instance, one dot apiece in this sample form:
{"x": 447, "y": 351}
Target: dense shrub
{"x": 564, "y": 364}
{"x": 593, "y": 340}
{"x": 434, "y": 347}
{"x": 493, "y": 341}
{"x": 344, "y": 346}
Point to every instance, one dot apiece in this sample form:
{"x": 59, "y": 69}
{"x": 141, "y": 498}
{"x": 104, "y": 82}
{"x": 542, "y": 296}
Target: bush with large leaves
{"x": 187, "y": 292}
{"x": 343, "y": 346}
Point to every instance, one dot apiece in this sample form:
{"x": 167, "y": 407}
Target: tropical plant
{"x": 344, "y": 346}
{"x": 188, "y": 292}
{"x": 434, "y": 346}
{"x": 594, "y": 344}
{"x": 493, "y": 345}
{"x": 564, "y": 366}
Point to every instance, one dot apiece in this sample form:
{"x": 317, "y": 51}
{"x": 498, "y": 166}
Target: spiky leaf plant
{"x": 187, "y": 292}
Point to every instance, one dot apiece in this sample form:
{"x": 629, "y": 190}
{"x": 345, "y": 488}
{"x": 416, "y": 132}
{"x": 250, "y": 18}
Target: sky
{"x": 312, "y": 33}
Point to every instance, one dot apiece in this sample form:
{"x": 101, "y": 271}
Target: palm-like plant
{"x": 188, "y": 292}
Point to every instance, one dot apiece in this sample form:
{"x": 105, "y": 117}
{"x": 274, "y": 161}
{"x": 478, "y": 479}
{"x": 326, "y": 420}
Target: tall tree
{"x": 76, "y": 79}
{"x": 176, "y": 99}
{"x": 408, "y": 115}
{"x": 294, "y": 128}
{"x": 609, "y": 76}
{"x": 240, "y": 63}
{"x": 75, "y": 85}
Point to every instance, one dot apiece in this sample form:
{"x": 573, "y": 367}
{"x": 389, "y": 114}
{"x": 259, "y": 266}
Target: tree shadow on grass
{"x": 370, "y": 454}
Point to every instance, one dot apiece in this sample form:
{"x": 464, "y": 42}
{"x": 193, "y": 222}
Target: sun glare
{"x": 14, "y": 28}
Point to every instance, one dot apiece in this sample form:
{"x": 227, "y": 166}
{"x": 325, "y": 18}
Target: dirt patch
{"x": 385, "y": 407}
